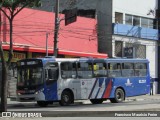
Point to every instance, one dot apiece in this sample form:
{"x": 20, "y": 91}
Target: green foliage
{"x": 13, "y": 4}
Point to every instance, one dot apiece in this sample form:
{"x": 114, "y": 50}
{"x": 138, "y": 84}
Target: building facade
{"x": 135, "y": 27}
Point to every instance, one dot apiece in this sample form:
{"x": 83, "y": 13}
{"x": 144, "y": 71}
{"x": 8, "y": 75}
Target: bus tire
{"x": 66, "y": 98}
{"x": 96, "y": 101}
{"x": 42, "y": 103}
{"x": 118, "y": 97}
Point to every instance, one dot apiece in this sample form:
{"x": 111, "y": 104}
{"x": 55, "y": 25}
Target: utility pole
{"x": 158, "y": 21}
{"x": 56, "y": 28}
{"x": 47, "y": 44}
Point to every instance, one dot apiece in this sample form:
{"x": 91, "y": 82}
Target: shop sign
{"x": 16, "y": 56}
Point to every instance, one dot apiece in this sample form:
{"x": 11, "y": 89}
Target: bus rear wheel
{"x": 119, "y": 96}
{"x": 96, "y": 101}
{"x": 42, "y": 103}
{"x": 66, "y": 98}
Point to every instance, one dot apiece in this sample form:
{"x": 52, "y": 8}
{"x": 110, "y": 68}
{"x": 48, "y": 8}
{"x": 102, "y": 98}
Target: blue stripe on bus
{"x": 92, "y": 88}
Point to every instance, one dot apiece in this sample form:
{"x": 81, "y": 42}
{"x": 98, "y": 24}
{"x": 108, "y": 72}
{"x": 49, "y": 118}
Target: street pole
{"x": 158, "y": 20}
{"x": 56, "y": 29}
{"x": 47, "y": 44}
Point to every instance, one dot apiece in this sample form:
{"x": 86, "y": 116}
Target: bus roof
{"x": 126, "y": 60}
{"x": 119, "y": 60}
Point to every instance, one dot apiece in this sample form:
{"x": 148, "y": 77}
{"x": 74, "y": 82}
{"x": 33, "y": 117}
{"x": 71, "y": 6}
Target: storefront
{"x": 16, "y": 56}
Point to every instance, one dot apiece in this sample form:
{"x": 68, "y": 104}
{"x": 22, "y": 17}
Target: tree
{"x": 10, "y": 8}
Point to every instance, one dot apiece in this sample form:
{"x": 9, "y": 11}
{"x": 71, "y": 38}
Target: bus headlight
{"x": 20, "y": 92}
{"x": 39, "y": 91}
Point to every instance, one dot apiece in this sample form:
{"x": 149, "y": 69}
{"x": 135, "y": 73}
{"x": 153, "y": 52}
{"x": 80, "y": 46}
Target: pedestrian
{"x": 151, "y": 86}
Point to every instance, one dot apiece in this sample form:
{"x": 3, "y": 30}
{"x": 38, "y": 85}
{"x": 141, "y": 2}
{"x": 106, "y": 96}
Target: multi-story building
{"x": 126, "y": 28}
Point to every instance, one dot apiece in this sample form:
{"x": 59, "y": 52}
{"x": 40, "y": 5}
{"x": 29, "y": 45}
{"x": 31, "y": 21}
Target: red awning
{"x": 63, "y": 52}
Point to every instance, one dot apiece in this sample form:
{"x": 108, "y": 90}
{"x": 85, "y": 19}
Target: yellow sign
{"x": 16, "y": 56}
{"x": 69, "y": 56}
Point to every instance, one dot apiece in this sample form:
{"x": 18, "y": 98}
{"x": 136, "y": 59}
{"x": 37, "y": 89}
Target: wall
{"x": 134, "y": 7}
{"x": 66, "y": 4}
{"x": 135, "y": 31}
{"x": 104, "y": 13}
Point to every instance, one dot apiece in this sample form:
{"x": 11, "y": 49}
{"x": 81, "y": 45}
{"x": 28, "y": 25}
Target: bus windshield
{"x": 30, "y": 76}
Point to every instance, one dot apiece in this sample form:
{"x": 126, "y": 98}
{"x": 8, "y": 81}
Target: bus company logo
{"x": 128, "y": 83}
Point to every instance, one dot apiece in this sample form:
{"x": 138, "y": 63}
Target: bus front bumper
{"x": 31, "y": 97}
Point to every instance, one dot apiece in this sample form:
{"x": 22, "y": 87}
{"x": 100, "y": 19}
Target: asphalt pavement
{"x": 135, "y": 98}
{"x": 143, "y": 99}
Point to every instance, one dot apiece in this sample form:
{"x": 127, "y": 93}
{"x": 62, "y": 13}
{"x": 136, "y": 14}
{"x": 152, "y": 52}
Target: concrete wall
{"x": 134, "y": 7}
{"x": 135, "y": 31}
{"x": 104, "y": 13}
{"x": 65, "y": 4}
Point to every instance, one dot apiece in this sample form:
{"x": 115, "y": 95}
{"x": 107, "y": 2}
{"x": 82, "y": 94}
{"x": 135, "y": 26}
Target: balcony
{"x": 135, "y": 31}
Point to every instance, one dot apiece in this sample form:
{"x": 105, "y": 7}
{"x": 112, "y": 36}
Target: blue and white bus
{"x": 47, "y": 80}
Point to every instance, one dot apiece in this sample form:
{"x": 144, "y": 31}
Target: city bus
{"x": 64, "y": 80}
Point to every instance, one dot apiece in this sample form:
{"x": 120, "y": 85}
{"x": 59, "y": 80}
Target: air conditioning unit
{"x": 129, "y": 52}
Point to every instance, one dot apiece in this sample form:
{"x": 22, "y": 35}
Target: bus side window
{"x": 100, "y": 69}
{"x": 127, "y": 69}
{"x": 114, "y": 69}
{"x": 84, "y": 70}
{"x": 68, "y": 70}
{"x": 52, "y": 74}
{"x": 140, "y": 69}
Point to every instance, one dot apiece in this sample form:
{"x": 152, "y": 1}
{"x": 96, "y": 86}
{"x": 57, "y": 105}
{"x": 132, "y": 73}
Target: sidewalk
{"x": 144, "y": 97}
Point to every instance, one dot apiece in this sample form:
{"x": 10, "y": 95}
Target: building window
{"x": 140, "y": 50}
{"x": 118, "y": 48}
{"x": 136, "y": 21}
{"x": 150, "y": 23}
{"x": 128, "y": 19}
{"x": 139, "y": 21}
{"x": 118, "y": 17}
{"x": 144, "y": 22}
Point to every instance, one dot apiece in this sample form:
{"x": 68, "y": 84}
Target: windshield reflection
{"x": 29, "y": 76}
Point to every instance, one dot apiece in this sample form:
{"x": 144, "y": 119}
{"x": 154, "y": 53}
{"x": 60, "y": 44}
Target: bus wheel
{"x": 66, "y": 98}
{"x": 42, "y": 103}
{"x": 96, "y": 101}
{"x": 119, "y": 96}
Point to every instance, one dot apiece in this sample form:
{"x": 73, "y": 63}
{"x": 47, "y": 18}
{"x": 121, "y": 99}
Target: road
{"x": 140, "y": 103}
{"x": 142, "y": 107}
